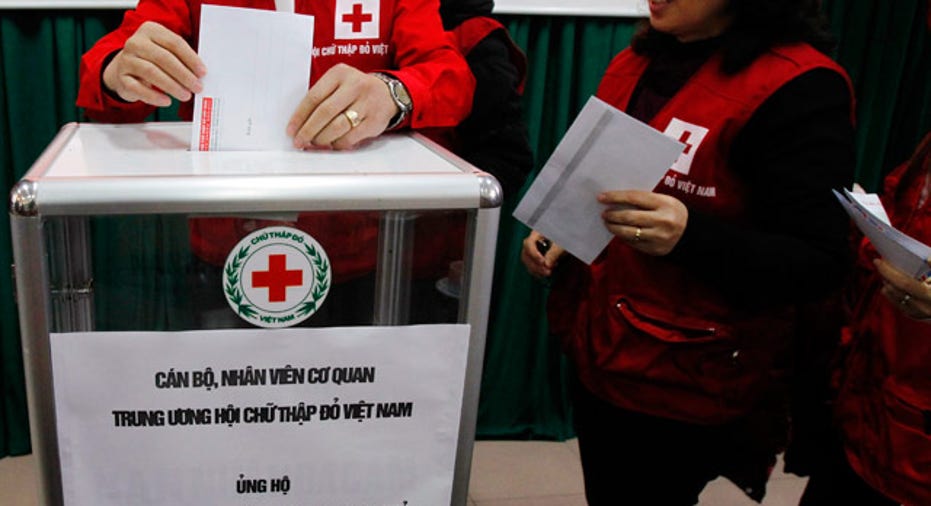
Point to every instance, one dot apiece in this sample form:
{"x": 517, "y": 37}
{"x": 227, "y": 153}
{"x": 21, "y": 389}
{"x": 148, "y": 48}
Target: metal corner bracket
{"x": 23, "y": 199}
{"x": 490, "y": 192}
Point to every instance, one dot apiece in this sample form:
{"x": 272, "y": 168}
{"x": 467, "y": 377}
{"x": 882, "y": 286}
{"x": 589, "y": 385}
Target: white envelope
{"x": 603, "y": 150}
{"x": 902, "y": 251}
{"x": 258, "y": 70}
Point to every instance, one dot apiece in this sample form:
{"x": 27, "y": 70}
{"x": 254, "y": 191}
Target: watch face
{"x": 400, "y": 93}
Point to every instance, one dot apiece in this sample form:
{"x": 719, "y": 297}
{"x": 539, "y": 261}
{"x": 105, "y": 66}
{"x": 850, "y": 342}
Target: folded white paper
{"x": 902, "y": 251}
{"x": 603, "y": 150}
{"x": 258, "y": 70}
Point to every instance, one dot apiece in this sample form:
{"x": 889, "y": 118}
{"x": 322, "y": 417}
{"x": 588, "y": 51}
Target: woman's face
{"x": 689, "y": 20}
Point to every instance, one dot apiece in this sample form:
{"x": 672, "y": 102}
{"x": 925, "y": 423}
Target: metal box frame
{"x": 97, "y": 170}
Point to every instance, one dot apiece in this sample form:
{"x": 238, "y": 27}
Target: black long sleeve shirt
{"x": 796, "y": 147}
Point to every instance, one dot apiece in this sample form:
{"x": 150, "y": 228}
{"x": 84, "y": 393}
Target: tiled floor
{"x": 504, "y": 473}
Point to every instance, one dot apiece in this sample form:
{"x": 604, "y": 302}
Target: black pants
{"x": 630, "y": 458}
{"x": 833, "y": 481}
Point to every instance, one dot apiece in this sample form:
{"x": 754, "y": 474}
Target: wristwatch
{"x": 400, "y": 96}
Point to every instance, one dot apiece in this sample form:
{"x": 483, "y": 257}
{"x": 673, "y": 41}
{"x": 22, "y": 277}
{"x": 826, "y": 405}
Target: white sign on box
{"x": 351, "y": 415}
{"x": 258, "y": 70}
{"x": 603, "y": 150}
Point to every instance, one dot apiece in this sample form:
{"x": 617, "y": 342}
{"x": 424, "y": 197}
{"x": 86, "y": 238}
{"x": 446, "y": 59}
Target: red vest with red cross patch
{"x": 884, "y": 405}
{"x": 651, "y": 336}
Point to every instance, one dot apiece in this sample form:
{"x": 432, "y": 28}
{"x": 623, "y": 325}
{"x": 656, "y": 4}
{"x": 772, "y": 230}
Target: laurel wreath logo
{"x": 321, "y": 283}
{"x": 231, "y": 285}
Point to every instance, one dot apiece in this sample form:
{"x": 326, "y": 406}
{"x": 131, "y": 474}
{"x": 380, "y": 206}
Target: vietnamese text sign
{"x": 329, "y": 416}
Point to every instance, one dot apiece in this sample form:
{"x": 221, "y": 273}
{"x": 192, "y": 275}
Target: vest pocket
{"x": 908, "y": 432}
{"x": 704, "y": 370}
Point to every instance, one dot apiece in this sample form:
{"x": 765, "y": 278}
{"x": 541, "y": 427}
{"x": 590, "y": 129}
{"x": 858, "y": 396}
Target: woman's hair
{"x": 922, "y": 155}
{"x": 917, "y": 165}
{"x": 757, "y": 26}
{"x": 454, "y": 12}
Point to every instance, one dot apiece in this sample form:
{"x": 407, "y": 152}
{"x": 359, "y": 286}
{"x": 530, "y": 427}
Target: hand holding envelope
{"x": 596, "y": 186}
{"x": 259, "y": 67}
{"x": 903, "y": 252}
{"x": 153, "y": 64}
{"x": 256, "y": 96}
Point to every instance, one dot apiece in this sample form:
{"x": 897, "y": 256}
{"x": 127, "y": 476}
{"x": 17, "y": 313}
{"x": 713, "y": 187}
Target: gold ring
{"x": 353, "y": 118}
{"x": 905, "y": 300}
{"x": 637, "y": 235}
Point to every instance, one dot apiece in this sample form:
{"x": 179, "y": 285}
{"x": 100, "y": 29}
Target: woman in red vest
{"x": 883, "y": 408}
{"x": 680, "y": 330}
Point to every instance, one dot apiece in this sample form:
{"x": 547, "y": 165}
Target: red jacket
{"x": 409, "y": 42}
{"x": 884, "y": 404}
{"x": 405, "y": 38}
{"x": 651, "y": 336}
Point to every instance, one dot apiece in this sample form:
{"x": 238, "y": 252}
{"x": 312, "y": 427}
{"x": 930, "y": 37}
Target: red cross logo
{"x": 357, "y": 17}
{"x": 684, "y": 139}
{"x": 277, "y": 278}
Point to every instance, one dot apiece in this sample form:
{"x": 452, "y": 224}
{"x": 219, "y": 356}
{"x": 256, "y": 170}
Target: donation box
{"x": 224, "y": 328}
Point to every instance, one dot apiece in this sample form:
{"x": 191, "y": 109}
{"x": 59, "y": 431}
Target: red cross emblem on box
{"x": 276, "y": 277}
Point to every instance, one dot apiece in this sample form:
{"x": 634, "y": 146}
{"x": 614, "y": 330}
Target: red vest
{"x": 884, "y": 405}
{"x": 654, "y": 337}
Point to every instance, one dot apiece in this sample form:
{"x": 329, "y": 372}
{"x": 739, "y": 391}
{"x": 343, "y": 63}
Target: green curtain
{"x": 38, "y": 69}
{"x": 883, "y": 44}
{"x": 885, "y": 47}
{"x": 40, "y": 52}
{"x": 524, "y": 382}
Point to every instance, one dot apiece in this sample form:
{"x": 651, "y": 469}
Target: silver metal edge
{"x": 490, "y": 192}
{"x": 203, "y": 194}
{"x": 25, "y": 194}
{"x": 33, "y": 308}
{"x": 23, "y": 198}
{"x": 448, "y": 155}
{"x": 44, "y": 162}
{"x": 481, "y": 241}
{"x": 393, "y": 268}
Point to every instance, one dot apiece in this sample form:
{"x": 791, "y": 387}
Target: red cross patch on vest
{"x": 356, "y": 19}
{"x": 690, "y": 135}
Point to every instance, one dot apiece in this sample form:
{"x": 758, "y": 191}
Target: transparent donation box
{"x": 122, "y": 234}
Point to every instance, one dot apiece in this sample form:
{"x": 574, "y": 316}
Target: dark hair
{"x": 757, "y": 26}
{"x": 917, "y": 166}
{"x": 454, "y": 12}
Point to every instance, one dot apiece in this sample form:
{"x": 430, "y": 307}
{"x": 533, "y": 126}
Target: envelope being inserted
{"x": 258, "y": 70}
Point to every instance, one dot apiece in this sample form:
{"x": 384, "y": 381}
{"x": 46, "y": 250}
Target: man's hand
{"x": 345, "y": 107}
{"x": 154, "y": 65}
